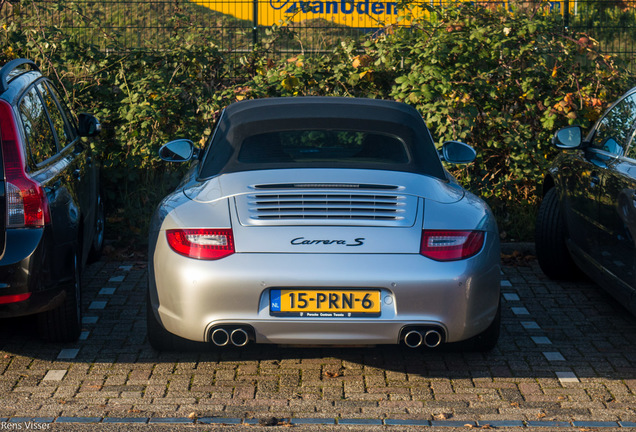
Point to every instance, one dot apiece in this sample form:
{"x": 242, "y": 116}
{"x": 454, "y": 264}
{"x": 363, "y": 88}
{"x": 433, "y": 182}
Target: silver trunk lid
{"x": 326, "y": 210}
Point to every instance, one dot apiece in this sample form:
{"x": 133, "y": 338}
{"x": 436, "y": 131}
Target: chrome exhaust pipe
{"x": 220, "y": 337}
{"x": 413, "y": 339}
{"x": 239, "y": 337}
{"x": 432, "y": 338}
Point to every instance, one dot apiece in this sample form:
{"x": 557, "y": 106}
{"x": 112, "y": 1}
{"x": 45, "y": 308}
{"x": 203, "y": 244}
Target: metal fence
{"x": 235, "y": 26}
{"x": 611, "y": 22}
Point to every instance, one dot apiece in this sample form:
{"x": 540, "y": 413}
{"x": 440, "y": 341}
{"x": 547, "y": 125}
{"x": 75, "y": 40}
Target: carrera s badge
{"x": 302, "y": 241}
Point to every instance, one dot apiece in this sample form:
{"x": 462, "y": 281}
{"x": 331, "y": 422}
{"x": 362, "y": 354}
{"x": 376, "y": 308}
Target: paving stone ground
{"x": 567, "y": 355}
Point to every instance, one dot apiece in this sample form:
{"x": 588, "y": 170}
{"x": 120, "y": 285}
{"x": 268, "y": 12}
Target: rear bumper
{"x": 24, "y": 272}
{"x": 190, "y": 297}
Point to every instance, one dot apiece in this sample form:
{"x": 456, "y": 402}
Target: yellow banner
{"x": 359, "y": 13}
{"x": 352, "y": 13}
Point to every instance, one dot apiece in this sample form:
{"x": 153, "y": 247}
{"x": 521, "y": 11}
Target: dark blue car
{"x": 587, "y": 220}
{"x": 51, "y": 213}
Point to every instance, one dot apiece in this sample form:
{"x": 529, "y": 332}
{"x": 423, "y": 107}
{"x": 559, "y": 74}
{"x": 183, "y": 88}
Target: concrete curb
{"x": 323, "y": 421}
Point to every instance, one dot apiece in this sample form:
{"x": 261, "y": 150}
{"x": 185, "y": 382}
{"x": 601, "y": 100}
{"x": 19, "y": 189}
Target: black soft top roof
{"x": 247, "y": 118}
{"x": 317, "y": 106}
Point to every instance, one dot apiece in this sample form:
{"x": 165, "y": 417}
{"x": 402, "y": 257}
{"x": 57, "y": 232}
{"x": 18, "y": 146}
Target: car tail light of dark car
{"x": 27, "y": 205}
{"x": 205, "y": 244}
{"x": 445, "y": 245}
{"x": 15, "y": 298}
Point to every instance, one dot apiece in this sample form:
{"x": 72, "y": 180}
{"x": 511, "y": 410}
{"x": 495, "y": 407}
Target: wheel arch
{"x": 548, "y": 183}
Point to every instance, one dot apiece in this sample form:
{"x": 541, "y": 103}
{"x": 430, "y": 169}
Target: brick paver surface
{"x": 567, "y": 354}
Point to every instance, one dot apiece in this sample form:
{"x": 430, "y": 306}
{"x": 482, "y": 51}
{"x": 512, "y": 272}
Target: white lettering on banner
{"x": 334, "y": 7}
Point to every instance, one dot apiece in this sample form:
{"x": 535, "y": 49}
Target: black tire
{"x": 97, "y": 245}
{"x": 160, "y": 338}
{"x": 63, "y": 324}
{"x": 550, "y": 237}
{"x": 486, "y": 340}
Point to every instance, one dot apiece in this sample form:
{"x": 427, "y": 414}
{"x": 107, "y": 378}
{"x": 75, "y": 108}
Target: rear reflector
{"x": 14, "y": 298}
{"x": 205, "y": 244}
{"x": 444, "y": 245}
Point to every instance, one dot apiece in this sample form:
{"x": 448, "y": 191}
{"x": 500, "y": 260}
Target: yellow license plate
{"x": 325, "y": 303}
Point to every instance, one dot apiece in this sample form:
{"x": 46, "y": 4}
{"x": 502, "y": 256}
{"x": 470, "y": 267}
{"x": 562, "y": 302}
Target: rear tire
{"x": 550, "y": 240}
{"x": 63, "y": 324}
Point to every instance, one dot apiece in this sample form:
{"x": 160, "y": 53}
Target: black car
{"x": 587, "y": 219}
{"x": 51, "y": 213}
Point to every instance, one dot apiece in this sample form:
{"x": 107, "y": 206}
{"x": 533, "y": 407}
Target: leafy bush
{"x": 143, "y": 100}
{"x": 501, "y": 81}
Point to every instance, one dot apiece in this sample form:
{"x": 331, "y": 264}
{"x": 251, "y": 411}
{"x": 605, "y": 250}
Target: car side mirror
{"x": 569, "y": 137}
{"x": 456, "y": 152}
{"x": 610, "y": 145}
{"x": 181, "y": 150}
{"x": 88, "y": 125}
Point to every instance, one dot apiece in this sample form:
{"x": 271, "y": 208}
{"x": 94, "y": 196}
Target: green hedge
{"x": 501, "y": 81}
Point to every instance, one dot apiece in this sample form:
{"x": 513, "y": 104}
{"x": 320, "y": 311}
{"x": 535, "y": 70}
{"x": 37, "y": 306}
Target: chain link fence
{"x": 307, "y": 26}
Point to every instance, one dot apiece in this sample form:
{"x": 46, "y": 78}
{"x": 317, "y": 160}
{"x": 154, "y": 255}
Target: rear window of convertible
{"x": 319, "y": 146}
{"x": 320, "y": 132}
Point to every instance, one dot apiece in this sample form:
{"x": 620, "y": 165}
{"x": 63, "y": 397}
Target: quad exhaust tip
{"x": 430, "y": 338}
{"x": 239, "y": 337}
{"x": 220, "y": 337}
{"x": 413, "y": 339}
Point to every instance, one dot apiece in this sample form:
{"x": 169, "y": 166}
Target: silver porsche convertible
{"x": 322, "y": 221}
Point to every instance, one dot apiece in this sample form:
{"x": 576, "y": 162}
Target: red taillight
{"x": 27, "y": 205}
{"x": 14, "y": 298}
{"x": 445, "y": 245}
{"x": 207, "y": 244}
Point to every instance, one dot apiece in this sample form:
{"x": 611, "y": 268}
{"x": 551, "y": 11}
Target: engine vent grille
{"x": 326, "y": 186}
{"x": 328, "y": 208}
